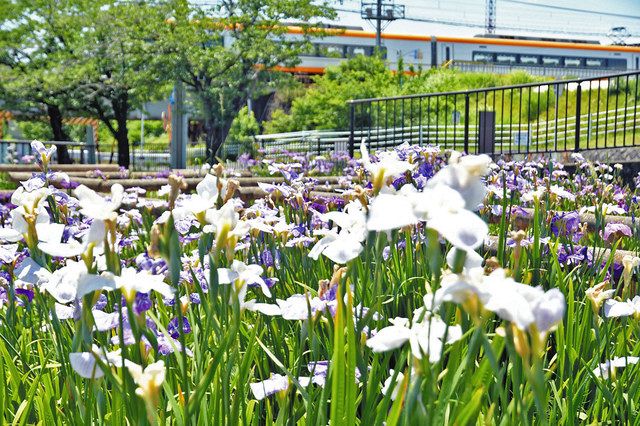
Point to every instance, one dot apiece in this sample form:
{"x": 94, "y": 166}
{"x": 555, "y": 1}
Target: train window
{"x": 357, "y": 50}
{"x": 483, "y": 57}
{"x": 309, "y": 50}
{"x": 505, "y": 58}
{"x": 594, "y": 62}
{"x": 572, "y": 62}
{"x": 447, "y": 54}
{"x": 331, "y": 50}
{"x": 417, "y": 54}
{"x": 529, "y": 59}
{"x": 550, "y": 60}
{"x": 617, "y": 63}
{"x": 638, "y": 63}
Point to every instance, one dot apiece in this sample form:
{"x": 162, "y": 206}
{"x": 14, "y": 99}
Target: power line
{"x": 381, "y": 11}
{"x": 482, "y": 25}
{"x": 571, "y": 9}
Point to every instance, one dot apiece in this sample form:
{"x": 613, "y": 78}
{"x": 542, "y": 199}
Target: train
{"x": 500, "y": 53}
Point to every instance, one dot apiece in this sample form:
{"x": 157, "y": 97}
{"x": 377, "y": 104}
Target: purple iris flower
{"x": 173, "y": 327}
{"x": 565, "y": 224}
{"x": 268, "y": 259}
{"x": 155, "y": 266}
{"x": 101, "y": 303}
{"x": 69, "y": 184}
{"x": 26, "y": 293}
{"x": 299, "y": 230}
{"x": 575, "y": 256}
{"x": 142, "y": 303}
{"x": 426, "y": 170}
{"x": 615, "y": 231}
{"x": 319, "y": 207}
{"x": 270, "y": 282}
{"x": 398, "y": 183}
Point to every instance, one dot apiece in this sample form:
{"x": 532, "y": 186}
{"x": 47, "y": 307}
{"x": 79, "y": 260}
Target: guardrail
{"x": 15, "y": 150}
{"x": 153, "y": 157}
{"x": 537, "y": 136}
{"x": 558, "y": 72}
{"x": 587, "y": 113}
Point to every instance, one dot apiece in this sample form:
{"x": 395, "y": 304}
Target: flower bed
{"x": 405, "y": 295}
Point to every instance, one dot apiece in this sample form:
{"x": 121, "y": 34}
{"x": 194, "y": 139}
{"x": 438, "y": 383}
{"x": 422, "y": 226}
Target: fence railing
{"x": 586, "y": 113}
{"x": 542, "y": 135}
{"x": 19, "y": 151}
{"x": 541, "y": 70}
{"x": 151, "y": 157}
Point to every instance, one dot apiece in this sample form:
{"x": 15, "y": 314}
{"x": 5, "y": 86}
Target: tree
{"x": 115, "y": 64}
{"x": 93, "y": 58}
{"x": 324, "y": 105}
{"x": 34, "y": 37}
{"x": 225, "y": 54}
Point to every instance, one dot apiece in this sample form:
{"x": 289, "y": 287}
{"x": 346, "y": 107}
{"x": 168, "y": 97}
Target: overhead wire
{"x": 471, "y": 24}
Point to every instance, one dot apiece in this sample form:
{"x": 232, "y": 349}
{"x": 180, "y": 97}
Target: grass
{"x": 5, "y": 182}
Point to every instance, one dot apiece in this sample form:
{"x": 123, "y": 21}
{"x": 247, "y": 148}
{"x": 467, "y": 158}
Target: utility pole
{"x": 490, "y": 17}
{"x": 379, "y": 25}
{"x": 380, "y": 11}
{"x": 619, "y": 35}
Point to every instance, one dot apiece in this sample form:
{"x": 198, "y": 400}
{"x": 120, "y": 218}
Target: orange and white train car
{"x": 501, "y": 52}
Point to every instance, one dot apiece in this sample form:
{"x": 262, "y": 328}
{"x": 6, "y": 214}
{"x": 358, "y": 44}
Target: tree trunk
{"x": 55, "y": 120}
{"x": 121, "y": 111}
{"x": 209, "y": 139}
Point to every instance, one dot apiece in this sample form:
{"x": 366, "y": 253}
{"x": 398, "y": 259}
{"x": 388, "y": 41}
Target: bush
{"x": 323, "y": 106}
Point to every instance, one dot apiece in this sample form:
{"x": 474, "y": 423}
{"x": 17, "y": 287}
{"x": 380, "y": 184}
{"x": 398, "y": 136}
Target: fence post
{"x": 578, "y": 101}
{"x": 352, "y": 126}
{"x": 179, "y": 124}
{"x": 90, "y": 140}
{"x": 466, "y": 123}
{"x": 487, "y": 132}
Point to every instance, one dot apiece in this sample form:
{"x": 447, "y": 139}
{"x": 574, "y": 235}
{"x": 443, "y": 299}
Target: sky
{"x": 575, "y": 19}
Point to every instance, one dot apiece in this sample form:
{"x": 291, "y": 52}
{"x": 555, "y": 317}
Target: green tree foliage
{"x": 35, "y": 39}
{"x": 92, "y": 58}
{"x": 116, "y": 64}
{"x": 225, "y": 53}
{"x": 324, "y": 105}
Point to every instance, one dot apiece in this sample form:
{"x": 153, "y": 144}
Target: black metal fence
{"x": 554, "y": 116}
{"x": 150, "y": 157}
{"x": 20, "y": 152}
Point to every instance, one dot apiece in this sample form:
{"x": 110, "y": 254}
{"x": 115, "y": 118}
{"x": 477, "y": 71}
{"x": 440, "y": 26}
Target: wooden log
{"x": 588, "y": 218}
{"x": 104, "y": 185}
{"x": 600, "y": 254}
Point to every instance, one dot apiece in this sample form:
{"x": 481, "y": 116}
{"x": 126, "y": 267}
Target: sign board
{"x": 340, "y": 146}
{"x": 455, "y": 117}
{"x": 557, "y": 90}
{"x": 520, "y": 138}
